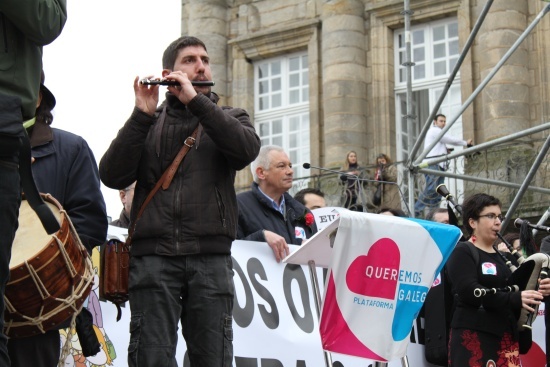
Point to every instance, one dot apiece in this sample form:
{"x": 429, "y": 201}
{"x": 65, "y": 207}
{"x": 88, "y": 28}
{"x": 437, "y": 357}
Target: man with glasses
{"x": 268, "y": 213}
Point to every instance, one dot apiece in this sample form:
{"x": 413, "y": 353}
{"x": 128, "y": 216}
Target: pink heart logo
{"x": 376, "y": 274}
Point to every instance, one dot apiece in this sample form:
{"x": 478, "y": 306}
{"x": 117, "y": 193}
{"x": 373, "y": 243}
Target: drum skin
{"x": 50, "y": 275}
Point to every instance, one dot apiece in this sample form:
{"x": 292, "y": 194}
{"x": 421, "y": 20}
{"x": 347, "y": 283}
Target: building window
{"x": 282, "y": 106}
{"x": 435, "y": 51}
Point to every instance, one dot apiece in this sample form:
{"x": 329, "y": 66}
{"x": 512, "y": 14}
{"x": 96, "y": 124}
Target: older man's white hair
{"x": 263, "y": 160}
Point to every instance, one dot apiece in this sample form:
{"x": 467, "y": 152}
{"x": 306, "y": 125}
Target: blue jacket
{"x": 65, "y": 168}
{"x": 256, "y": 214}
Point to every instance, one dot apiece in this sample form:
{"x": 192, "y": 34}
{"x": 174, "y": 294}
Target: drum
{"x": 50, "y": 275}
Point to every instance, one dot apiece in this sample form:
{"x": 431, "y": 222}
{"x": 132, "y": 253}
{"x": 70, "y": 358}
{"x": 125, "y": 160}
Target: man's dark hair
{"x": 171, "y": 53}
{"x": 474, "y": 205}
{"x": 438, "y": 116}
{"x": 309, "y": 190}
{"x": 435, "y": 211}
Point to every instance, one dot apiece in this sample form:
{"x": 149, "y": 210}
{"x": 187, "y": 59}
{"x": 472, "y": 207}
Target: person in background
{"x": 545, "y": 247}
{"x": 429, "y": 197}
{"x": 180, "y": 266}
{"x": 436, "y": 308}
{"x": 351, "y": 181}
{"x": 311, "y": 198}
{"x": 385, "y": 171}
{"x": 513, "y": 239}
{"x": 392, "y": 211}
{"x": 126, "y": 197}
{"x": 27, "y": 26}
{"x": 484, "y": 329}
{"x": 440, "y": 215}
{"x": 63, "y": 166}
{"x": 267, "y": 213}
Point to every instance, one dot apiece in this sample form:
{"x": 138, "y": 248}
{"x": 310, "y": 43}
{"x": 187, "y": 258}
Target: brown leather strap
{"x": 171, "y": 171}
{"x": 166, "y": 178}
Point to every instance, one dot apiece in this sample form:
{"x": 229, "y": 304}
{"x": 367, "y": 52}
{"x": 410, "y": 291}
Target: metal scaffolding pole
{"x": 450, "y": 80}
{"x": 485, "y": 81}
{"x": 483, "y": 146}
{"x": 484, "y": 181}
{"x": 407, "y": 12}
{"x": 448, "y": 84}
{"x": 525, "y": 184}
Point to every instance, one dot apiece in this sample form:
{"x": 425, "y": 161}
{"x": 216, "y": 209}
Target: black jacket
{"x": 492, "y": 313}
{"x": 123, "y": 220}
{"x": 65, "y": 167}
{"x": 256, "y": 215}
{"x": 198, "y": 212}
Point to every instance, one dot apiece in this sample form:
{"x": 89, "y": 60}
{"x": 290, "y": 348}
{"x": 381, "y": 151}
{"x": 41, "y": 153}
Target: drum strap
{"x": 14, "y": 139}
{"x": 50, "y": 223}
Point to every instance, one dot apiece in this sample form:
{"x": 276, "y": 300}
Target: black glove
{"x": 86, "y": 334}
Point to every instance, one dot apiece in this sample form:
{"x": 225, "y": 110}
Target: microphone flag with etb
{"x": 381, "y": 270}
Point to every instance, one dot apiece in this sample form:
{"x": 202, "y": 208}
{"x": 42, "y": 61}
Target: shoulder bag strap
{"x": 165, "y": 179}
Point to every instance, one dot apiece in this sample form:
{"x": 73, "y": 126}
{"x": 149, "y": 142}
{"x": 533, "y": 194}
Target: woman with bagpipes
{"x": 484, "y": 328}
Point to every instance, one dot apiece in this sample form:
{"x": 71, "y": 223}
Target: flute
{"x": 195, "y": 83}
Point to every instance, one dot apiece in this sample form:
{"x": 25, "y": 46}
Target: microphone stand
{"x": 359, "y": 180}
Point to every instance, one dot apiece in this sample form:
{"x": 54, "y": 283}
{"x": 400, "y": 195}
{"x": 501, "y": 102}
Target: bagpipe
{"x": 525, "y": 276}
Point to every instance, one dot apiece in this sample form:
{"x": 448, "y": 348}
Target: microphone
{"x": 442, "y": 190}
{"x": 518, "y": 222}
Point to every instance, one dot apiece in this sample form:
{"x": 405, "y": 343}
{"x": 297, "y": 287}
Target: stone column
{"x": 505, "y": 100}
{"x": 344, "y": 80}
{"x": 207, "y": 20}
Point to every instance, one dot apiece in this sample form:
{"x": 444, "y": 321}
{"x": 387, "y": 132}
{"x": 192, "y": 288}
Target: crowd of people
{"x": 181, "y": 267}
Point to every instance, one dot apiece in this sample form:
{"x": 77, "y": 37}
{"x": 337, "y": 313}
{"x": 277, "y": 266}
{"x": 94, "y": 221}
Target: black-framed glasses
{"x": 493, "y": 216}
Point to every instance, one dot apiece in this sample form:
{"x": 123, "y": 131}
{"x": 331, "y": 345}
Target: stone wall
{"x": 351, "y": 65}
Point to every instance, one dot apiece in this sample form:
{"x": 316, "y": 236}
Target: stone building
{"x": 322, "y": 77}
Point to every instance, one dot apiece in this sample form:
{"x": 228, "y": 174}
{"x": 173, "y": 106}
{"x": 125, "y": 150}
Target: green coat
{"x": 25, "y": 27}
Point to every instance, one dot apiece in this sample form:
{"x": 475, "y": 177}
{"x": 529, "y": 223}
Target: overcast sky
{"x": 90, "y": 68}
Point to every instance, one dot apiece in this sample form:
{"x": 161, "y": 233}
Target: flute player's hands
{"x": 147, "y": 96}
{"x": 185, "y": 91}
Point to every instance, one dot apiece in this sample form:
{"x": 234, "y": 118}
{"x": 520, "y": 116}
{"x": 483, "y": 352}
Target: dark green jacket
{"x": 26, "y": 26}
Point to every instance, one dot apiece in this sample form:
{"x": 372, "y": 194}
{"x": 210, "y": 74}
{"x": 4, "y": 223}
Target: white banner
{"x": 275, "y": 322}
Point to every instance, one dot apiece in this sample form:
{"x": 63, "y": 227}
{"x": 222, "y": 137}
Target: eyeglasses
{"x": 493, "y": 216}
